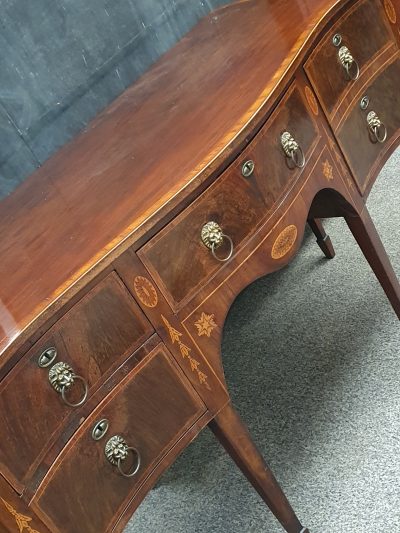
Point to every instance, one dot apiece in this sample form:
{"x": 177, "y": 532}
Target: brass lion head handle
{"x": 213, "y": 237}
{"x": 292, "y": 150}
{"x": 62, "y": 378}
{"x": 349, "y": 64}
{"x": 377, "y": 128}
{"x": 117, "y": 452}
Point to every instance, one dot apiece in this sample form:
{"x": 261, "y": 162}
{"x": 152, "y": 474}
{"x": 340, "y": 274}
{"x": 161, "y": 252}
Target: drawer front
{"x": 238, "y": 202}
{"x": 356, "y": 137}
{"x": 153, "y": 407}
{"x": 366, "y": 33}
{"x": 92, "y": 338}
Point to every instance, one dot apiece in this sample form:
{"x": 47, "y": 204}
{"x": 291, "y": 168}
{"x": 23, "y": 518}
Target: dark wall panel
{"x": 62, "y": 61}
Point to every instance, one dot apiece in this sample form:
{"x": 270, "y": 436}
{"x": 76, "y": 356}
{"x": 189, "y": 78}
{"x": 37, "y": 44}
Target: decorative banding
{"x": 145, "y": 291}
{"x": 284, "y": 242}
{"x": 390, "y": 11}
{"x": 312, "y": 101}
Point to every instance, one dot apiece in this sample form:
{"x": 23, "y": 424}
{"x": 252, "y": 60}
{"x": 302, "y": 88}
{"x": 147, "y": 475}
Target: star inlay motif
{"x": 205, "y": 325}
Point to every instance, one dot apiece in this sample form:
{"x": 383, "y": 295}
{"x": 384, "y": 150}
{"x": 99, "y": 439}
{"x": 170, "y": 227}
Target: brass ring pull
{"x": 223, "y": 259}
{"x": 292, "y": 150}
{"x": 213, "y": 237}
{"x": 62, "y": 378}
{"x": 349, "y": 64}
{"x": 117, "y": 451}
{"x": 377, "y": 128}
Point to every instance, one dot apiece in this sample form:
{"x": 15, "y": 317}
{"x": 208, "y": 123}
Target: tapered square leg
{"x": 371, "y": 245}
{"x": 234, "y": 436}
{"x": 323, "y": 240}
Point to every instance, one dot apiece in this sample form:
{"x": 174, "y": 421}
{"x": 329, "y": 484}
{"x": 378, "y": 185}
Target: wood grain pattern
{"x": 390, "y": 11}
{"x": 312, "y": 101}
{"x": 362, "y": 153}
{"x": 106, "y": 238}
{"x": 94, "y": 337}
{"x": 212, "y": 389}
{"x": 176, "y": 257}
{"x": 366, "y": 32}
{"x": 165, "y": 462}
{"x": 256, "y": 260}
{"x": 151, "y": 408}
{"x": 142, "y": 158}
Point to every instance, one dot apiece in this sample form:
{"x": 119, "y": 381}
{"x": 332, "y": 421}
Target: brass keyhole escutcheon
{"x": 47, "y": 357}
{"x": 100, "y": 429}
{"x": 364, "y": 102}
{"x": 248, "y": 168}
{"x": 337, "y": 39}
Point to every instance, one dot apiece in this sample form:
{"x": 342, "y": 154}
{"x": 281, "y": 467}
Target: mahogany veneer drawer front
{"x": 238, "y": 202}
{"x": 353, "y": 44}
{"x": 92, "y": 338}
{"x": 153, "y": 406}
{"x": 367, "y": 133}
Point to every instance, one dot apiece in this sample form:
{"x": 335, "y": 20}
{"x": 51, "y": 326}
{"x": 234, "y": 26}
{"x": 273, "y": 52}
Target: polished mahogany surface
{"x": 112, "y": 304}
{"x": 238, "y": 204}
{"x": 146, "y": 153}
{"x": 94, "y": 338}
{"x": 152, "y": 407}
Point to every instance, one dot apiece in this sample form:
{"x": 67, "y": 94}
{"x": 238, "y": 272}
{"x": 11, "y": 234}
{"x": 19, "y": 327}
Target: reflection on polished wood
{"x": 103, "y": 266}
{"x": 147, "y": 153}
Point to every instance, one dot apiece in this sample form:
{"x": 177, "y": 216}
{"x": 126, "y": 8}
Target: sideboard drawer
{"x": 177, "y": 258}
{"x": 365, "y": 31}
{"x": 150, "y": 410}
{"x": 359, "y": 144}
{"x": 92, "y": 338}
{"x": 238, "y": 202}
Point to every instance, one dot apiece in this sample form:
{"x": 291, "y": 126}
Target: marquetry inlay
{"x": 205, "y": 324}
{"x": 338, "y": 157}
{"x": 21, "y": 520}
{"x": 284, "y": 242}
{"x": 350, "y": 183}
{"x": 390, "y": 11}
{"x": 312, "y": 101}
{"x": 145, "y": 291}
{"x": 185, "y": 352}
{"x": 327, "y": 169}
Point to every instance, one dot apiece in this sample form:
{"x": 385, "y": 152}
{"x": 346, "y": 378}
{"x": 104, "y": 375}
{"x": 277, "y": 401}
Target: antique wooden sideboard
{"x": 121, "y": 256}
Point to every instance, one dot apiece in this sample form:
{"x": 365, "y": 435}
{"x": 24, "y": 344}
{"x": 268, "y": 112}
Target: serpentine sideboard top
{"x": 147, "y": 154}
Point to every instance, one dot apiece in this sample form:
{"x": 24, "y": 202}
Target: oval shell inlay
{"x": 390, "y": 11}
{"x": 284, "y": 242}
{"x": 312, "y": 101}
{"x": 145, "y": 291}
